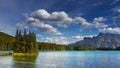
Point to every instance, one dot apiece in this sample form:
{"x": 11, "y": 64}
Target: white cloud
{"x": 99, "y": 19}
{"x": 98, "y": 22}
{"x": 39, "y": 35}
{"x": 44, "y": 21}
{"x": 21, "y": 25}
{"x": 116, "y": 9}
{"x": 99, "y": 25}
{"x": 82, "y": 21}
{"x": 41, "y": 14}
{"x": 43, "y": 27}
{"x": 46, "y": 28}
{"x": 58, "y": 40}
{"x": 116, "y": 19}
{"x": 78, "y": 38}
{"x": 90, "y": 36}
{"x": 111, "y": 30}
{"x": 59, "y": 18}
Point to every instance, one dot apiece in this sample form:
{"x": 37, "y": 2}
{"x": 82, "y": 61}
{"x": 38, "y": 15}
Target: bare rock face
{"x": 101, "y": 40}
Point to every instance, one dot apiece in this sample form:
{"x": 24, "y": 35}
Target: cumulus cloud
{"x": 43, "y": 27}
{"x": 43, "y": 21}
{"x": 81, "y": 20}
{"x": 98, "y": 22}
{"x": 78, "y": 38}
{"x": 61, "y": 19}
{"x": 58, "y": 40}
{"x": 21, "y": 25}
{"x": 111, "y": 30}
{"x": 46, "y": 28}
{"x": 99, "y": 25}
{"x": 41, "y": 14}
{"x": 99, "y": 19}
{"x": 116, "y": 19}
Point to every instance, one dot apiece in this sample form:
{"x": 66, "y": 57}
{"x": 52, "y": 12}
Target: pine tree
{"x": 25, "y": 31}
{"x": 25, "y": 43}
{"x": 16, "y": 36}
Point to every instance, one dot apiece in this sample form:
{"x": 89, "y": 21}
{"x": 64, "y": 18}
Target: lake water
{"x": 64, "y": 59}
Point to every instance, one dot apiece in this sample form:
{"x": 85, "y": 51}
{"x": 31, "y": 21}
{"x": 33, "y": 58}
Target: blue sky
{"x": 60, "y": 21}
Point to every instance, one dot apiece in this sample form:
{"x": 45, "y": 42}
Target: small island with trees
{"x": 25, "y": 44}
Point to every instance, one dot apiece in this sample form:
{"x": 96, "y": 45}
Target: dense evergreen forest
{"x": 53, "y": 46}
{"x": 25, "y": 42}
{"x": 6, "y": 41}
{"x": 18, "y": 43}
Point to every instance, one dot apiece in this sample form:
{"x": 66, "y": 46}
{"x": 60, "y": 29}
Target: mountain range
{"x": 101, "y": 40}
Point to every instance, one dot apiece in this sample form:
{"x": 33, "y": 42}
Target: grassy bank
{"x": 25, "y": 54}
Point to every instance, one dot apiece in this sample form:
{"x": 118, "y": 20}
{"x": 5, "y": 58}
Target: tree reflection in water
{"x": 24, "y": 62}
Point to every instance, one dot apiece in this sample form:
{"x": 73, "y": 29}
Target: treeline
{"x": 50, "y": 46}
{"x": 58, "y": 47}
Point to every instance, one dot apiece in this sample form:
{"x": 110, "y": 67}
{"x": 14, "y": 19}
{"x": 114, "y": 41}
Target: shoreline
{"x": 6, "y": 54}
{"x": 25, "y": 54}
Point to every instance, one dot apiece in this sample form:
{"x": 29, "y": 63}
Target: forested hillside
{"x": 6, "y": 41}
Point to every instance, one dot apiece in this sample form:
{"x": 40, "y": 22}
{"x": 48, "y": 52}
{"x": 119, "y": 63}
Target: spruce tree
{"x": 25, "y": 43}
{"x": 16, "y": 36}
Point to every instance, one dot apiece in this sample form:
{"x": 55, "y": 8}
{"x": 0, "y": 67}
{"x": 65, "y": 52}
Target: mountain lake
{"x": 64, "y": 59}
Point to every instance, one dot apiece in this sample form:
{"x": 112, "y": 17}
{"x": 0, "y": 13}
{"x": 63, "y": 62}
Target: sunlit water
{"x": 64, "y": 59}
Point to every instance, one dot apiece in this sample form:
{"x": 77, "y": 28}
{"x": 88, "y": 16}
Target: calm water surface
{"x": 64, "y": 59}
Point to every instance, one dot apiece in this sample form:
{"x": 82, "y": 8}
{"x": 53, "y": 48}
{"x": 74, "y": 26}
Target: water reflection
{"x": 64, "y": 59}
{"x": 24, "y": 62}
{"x": 79, "y": 59}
